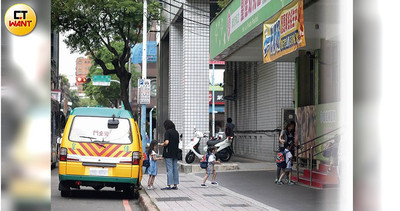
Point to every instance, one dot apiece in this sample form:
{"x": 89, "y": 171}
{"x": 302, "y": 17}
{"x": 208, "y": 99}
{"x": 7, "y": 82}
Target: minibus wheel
{"x": 65, "y": 193}
{"x": 131, "y": 193}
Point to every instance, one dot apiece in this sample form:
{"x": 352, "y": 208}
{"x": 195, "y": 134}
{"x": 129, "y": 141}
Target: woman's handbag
{"x": 179, "y": 154}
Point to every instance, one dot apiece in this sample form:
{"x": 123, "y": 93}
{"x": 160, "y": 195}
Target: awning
{"x": 137, "y": 52}
{"x": 219, "y": 109}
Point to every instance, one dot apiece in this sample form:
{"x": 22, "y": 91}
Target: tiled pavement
{"x": 190, "y": 196}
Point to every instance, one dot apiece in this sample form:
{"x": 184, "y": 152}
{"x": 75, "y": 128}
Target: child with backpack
{"x": 146, "y": 161}
{"x": 211, "y": 161}
{"x": 285, "y": 165}
{"x": 152, "y": 171}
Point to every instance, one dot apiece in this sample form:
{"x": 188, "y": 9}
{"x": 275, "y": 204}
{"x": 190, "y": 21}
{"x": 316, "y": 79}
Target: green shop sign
{"x": 238, "y": 19}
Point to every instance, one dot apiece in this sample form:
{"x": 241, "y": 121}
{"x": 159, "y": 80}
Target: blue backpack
{"x": 281, "y": 159}
{"x": 204, "y": 161}
{"x": 146, "y": 160}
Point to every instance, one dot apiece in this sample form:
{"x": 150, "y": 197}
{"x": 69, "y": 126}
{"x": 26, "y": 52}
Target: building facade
{"x": 262, "y": 93}
{"x": 183, "y": 67}
{"x": 82, "y": 67}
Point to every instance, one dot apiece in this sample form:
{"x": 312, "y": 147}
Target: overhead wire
{"x": 203, "y": 24}
{"x": 208, "y": 16}
{"x": 207, "y": 25}
{"x": 191, "y": 6}
{"x": 185, "y": 26}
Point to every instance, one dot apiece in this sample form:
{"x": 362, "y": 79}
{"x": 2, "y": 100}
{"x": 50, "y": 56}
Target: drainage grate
{"x": 235, "y": 205}
{"x": 174, "y": 199}
{"x": 213, "y": 195}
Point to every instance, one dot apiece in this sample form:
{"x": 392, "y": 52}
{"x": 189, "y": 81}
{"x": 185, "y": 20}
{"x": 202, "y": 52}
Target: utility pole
{"x": 130, "y": 82}
{"x": 144, "y": 74}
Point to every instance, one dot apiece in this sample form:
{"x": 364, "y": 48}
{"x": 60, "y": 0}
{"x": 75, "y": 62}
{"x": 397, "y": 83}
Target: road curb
{"x": 145, "y": 202}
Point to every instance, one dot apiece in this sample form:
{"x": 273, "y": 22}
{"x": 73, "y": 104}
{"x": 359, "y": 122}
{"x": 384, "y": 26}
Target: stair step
{"x": 325, "y": 167}
{"x": 324, "y": 176}
{"x": 316, "y": 182}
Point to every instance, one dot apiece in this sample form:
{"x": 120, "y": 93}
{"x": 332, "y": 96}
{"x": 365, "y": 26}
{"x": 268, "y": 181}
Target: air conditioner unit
{"x": 287, "y": 115}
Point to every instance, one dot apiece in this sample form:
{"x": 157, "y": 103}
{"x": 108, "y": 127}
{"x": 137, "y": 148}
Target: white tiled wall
{"x": 176, "y": 76}
{"x": 189, "y": 66}
{"x": 262, "y": 90}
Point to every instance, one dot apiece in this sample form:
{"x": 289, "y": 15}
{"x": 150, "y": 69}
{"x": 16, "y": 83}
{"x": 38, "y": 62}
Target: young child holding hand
{"x": 152, "y": 171}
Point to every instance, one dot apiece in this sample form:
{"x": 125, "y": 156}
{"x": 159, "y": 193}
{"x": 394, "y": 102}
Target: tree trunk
{"x": 124, "y": 80}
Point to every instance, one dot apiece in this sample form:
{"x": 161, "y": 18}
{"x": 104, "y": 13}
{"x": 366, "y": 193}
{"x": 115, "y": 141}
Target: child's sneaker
{"x": 214, "y": 183}
{"x": 203, "y": 185}
{"x": 290, "y": 183}
{"x": 279, "y": 182}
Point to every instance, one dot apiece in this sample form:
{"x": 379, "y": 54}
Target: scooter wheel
{"x": 190, "y": 157}
{"x": 226, "y": 157}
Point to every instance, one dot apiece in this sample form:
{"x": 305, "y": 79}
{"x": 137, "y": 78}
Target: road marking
{"x": 126, "y": 205}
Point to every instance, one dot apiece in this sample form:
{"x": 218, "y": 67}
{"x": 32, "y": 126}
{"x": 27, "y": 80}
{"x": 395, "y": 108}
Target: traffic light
{"x": 82, "y": 80}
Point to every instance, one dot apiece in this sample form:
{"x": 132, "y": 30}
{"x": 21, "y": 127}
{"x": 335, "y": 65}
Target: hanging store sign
{"x": 238, "y": 19}
{"x": 219, "y": 97}
{"x": 284, "y": 33}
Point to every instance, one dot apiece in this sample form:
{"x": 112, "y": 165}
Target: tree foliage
{"x": 74, "y": 99}
{"x": 223, "y": 3}
{"x": 107, "y": 96}
{"x": 87, "y": 101}
{"x": 69, "y": 95}
{"x": 92, "y": 25}
{"x": 65, "y": 86}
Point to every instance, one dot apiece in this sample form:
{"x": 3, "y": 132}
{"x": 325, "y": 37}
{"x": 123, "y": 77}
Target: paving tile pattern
{"x": 198, "y": 198}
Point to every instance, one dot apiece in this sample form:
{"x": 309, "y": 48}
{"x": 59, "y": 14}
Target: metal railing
{"x": 311, "y": 152}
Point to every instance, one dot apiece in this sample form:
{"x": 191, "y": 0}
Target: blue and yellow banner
{"x": 284, "y": 33}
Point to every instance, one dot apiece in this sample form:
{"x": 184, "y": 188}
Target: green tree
{"x": 69, "y": 95}
{"x": 223, "y": 3}
{"x": 95, "y": 24}
{"x": 74, "y": 99}
{"x": 87, "y": 101}
{"x": 65, "y": 86}
{"x": 107, "y": 95}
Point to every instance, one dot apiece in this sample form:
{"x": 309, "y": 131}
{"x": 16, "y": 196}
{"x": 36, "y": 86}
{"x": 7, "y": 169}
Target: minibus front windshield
{"x": 96, "y": 130}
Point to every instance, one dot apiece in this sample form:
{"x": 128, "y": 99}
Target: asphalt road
{"x": 88, "y": 199}
{"x": 260, "y": 186}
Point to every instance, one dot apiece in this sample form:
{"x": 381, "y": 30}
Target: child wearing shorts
{"x": 210, "y": 169}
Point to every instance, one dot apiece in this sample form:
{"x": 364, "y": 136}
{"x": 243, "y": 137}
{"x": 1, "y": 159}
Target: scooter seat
{"x": 214, "y": 142}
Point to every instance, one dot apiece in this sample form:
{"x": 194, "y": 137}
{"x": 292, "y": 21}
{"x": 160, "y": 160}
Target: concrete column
{"x": 196, "y": 67}
{"x": 176, "y": 99}
{"x": 162, "y": 87}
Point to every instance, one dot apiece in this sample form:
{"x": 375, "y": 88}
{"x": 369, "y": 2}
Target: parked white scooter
{"x": 193, "y": 147}
{"x": 224, "y": 148}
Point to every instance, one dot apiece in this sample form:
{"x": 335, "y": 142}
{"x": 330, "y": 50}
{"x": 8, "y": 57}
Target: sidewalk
{"x": 190, "y": 196}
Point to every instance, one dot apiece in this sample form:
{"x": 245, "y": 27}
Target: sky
{"x": 67, "y": 60}
{"x": 67, "y": 64}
